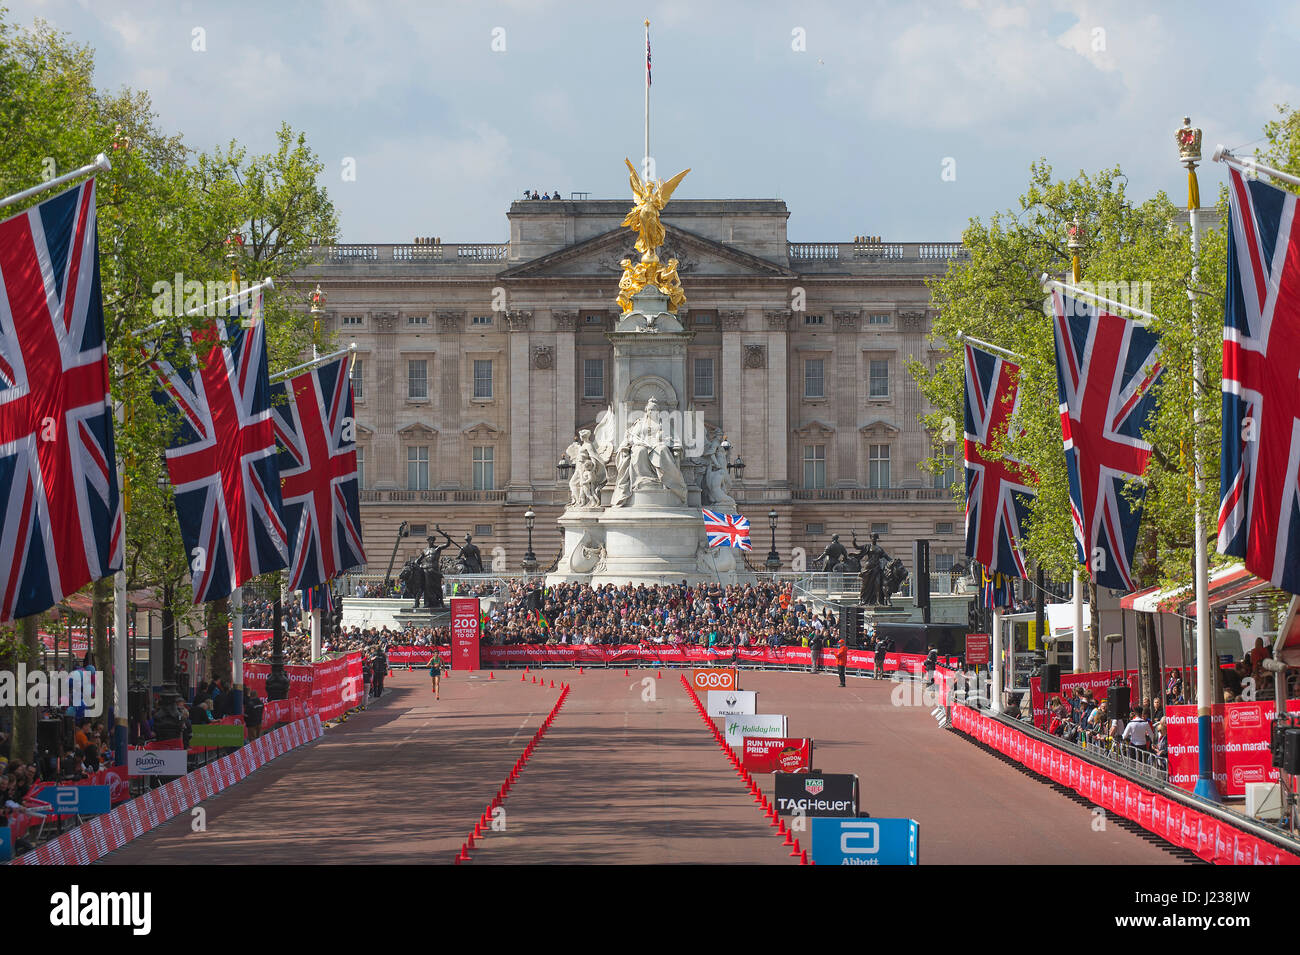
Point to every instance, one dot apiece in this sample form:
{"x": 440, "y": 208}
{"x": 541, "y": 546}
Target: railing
{"x": 875, "y": 251}
{"x": 871, "y": 494}
{"x": 465, "y": 252}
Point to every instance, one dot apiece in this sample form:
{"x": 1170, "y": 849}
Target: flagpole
{"x": 101, "y": 162}
{"x": 1189, "y": 140}
{"x": 645, "y": 162}
{"x": 1075, "y": 243}
{"x": 1085, "y": 293}
{"x": 963, "y": 337}
{"x": 260, "y": 286}
{"x": 1250, "y": 167}
{"x": 121, "y": 667}
{"x": 351, "y": 349}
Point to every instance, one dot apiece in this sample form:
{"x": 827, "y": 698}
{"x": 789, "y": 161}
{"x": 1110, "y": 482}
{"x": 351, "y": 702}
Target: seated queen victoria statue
{"x": 646, "y": 461}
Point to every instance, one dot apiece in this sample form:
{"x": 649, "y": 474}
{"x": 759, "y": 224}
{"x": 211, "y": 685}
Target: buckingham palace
{"x": 476, "y": 364}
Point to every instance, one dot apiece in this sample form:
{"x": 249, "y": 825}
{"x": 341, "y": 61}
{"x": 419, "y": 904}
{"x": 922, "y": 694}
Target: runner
{"x": 435, "y": 672}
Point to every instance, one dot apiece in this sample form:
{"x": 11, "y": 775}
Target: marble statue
{"x": 646, "y": 459}
{"x": 588, "y": 471}
{"x": 717, "y": 479}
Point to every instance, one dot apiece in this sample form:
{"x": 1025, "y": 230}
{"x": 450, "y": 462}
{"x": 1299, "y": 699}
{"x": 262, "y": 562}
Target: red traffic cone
{"x": 491, "y": 675}
{"x": 470, "y": 841}
{"x": 804, "y": 858}
{"x": 523, "y": 677}
{"x": 534, "y": 679}
{"x": 579, "y": 671}
{"x": 625, "y": 671}
{"x": 658, "y": 675}
{"x": 794, "y": 852}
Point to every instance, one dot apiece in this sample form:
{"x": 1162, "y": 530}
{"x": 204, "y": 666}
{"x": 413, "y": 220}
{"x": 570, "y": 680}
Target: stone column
{"x": 843, "y": 385}
{"x": 518, "y": 487}
{"x": 567, "y": 380}
{"x": 388, "y": 471}
{"x": 444, "y": 458}
{"x": 778, "y": 398}
{"x": 728, "y": 384}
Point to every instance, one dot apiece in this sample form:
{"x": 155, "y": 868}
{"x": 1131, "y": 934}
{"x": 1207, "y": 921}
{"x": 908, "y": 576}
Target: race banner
{"x": 156, "y": 762}
{"x": 776, "y": 754}
{"x": 817, "y": 794}
{"x": 977, "y": 649}
{"x": 732, "y": 703}
{"x": 865, "y": 841}
{"x": 738, "y": 727}
{"x": 1098, "y": 683}
{"x": 464, "y": 633}
{"x": 1241, "y": 734}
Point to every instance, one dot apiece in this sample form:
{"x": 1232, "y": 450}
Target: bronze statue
{"x": 872, "y": 559}
{"x": 471, "y": 561}
{"x": 431, "y": 566}
{"x": 833, "y": 555}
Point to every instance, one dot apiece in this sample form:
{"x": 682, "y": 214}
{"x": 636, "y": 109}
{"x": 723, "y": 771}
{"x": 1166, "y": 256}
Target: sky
{"x": 898, "y": 119}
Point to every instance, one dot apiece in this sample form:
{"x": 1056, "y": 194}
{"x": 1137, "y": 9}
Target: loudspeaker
{"x": 1052, "y": 678}
{"x": 851, "y": 626}
{"x": 1291, "y": 750}
{"x": 1117, "y": 702}
{"x": 921, "y": 563}
{"x": 49, "y": 736}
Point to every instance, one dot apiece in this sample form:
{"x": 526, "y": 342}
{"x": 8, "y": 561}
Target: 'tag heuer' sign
{"x": 817, "y": 794}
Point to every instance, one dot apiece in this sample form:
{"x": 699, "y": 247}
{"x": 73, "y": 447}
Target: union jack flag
{"x": 318, "y": 473}
{"x": 61, "y": 524}
{"x": 731, "y": 530}
{"x": 997, "y": 488}
{"x": 1259, "y": 480}
{"x": 1105, "y": 367}
{"x": 647, "y": 56}
{"x": 222, "y": 463}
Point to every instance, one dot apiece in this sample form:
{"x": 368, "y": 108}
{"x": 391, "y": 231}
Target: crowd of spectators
{"x": 739, "y": 615}
{"x": 1079, "y": 717}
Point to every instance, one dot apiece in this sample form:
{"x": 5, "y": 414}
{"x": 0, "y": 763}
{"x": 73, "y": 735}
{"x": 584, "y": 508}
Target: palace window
{"x": 417, "y": 319}
{"x": 361, "y": 467}
{"x": 814, "y": 380}
{"x": 593, "y": 378}
{"x": 945, "y": 478}
{"x": 878, "y": 466}
{"x": 352, "y": 320}
{"x": 483, "y": 478}
{"x": 879, "y": 378}
{"x": 358, "y": 379}
{"x": 482, "y": 530}
{"x": 481, "y": 320}
{"x": 881, "y": 529}
{"x": 942, "y": 528}
{"x": 483, "y": 378}
{"x": 879, "y": 319}
{"x": 814, "y": 466}
{"x": 417, "y": 378}
{"x": 814, "y": 319}
{"x": 417, "y": 468}
{"x": 704, "y": 378}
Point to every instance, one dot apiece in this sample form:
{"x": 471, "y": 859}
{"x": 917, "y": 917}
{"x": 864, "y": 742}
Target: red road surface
{"x": 628, "y": 773}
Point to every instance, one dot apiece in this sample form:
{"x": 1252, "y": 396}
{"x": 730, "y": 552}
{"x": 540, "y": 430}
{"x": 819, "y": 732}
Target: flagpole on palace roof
{"x": 101, "y": 162}
{"x": 645, "y": 163}
{"x": 1189, "y": 154}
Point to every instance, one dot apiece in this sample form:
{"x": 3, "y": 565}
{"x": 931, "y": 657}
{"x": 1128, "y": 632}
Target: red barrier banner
{"x": 300, "y": 679}
{"x": 412, "y": 656}
{"x": 464, "y": 633}
{"x": 1241, "y": 734}
{"x": 776, "y": 754}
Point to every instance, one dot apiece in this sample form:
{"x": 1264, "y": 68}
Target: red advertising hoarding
{"x": 464, "y": 633}
{"x": 977, "y": 649}
{"x": 776, "y": 754}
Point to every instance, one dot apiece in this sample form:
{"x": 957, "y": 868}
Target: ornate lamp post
{"x": 773, "y": 558}
{"x": 530, "y": 559}
{"x": 564, "y": 467}
{"x": 317, "y": 300}
{"x": 277, "y": 681}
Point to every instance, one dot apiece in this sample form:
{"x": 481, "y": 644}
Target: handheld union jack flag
{"x": 1105, "y": 367}
{"x": 318, "y": 471}
{"x": 997, "y": 488}
{"x": 223, "y": 468}
{"x": 61, "y": 525}
{"x": 731, "y": 530}
{"x": 1259, "y": 488}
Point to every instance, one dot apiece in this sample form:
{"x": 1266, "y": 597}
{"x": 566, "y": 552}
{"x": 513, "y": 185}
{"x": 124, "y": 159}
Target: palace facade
{"x": 477, "y": 363}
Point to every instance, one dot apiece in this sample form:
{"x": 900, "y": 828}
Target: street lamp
{"x": 565, "y": 468}
{"x": 773, "y": 558}
{"x": 530, "y": 559}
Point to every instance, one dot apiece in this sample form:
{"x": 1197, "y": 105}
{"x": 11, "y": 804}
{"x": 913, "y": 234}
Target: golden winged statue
{"x": 651, "y": 197}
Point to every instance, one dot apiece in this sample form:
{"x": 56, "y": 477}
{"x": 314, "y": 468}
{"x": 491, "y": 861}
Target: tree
{"x": 1140, "y": 251}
